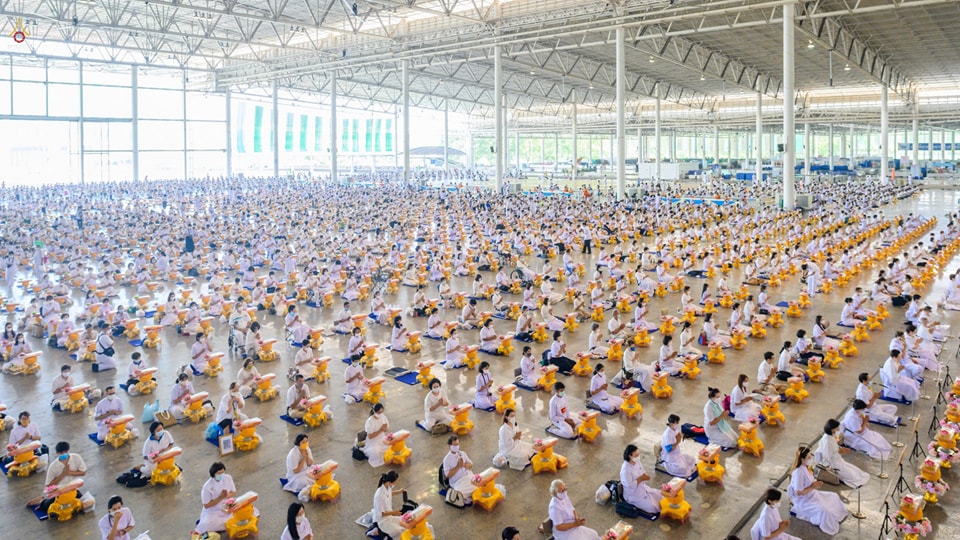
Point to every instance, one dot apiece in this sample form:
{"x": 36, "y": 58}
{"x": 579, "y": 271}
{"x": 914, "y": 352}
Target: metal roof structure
{"x": 704, "y": 59}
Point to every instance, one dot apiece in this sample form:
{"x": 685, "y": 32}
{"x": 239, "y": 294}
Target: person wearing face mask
{"x": 107, "y": 409}
{"x": 770, "y": 526}
{"x": 675, "y": 462}
{"x": 385, "y": 518}
{"x": 247, "y": 378}
{"x": 298, "y": 528}
{"x": 25, "y": 432}
{"x": 821, "y": 508}
{"x": 511, "y": 450}
{"x": 715, "y": 425}
{"x": 296, "y": 394}
{"x": 567, "y": 523}
{"x": 353, "y": 377}
{"x": 217, "y": 489}
{"x": 564, "y": 422}
{"x": 299, "y": 460}
{"x": 634, "y": 478}
{"x": 742, "y": 404}
{"x": 118, "y": 522}
{"x": 60, "y": 385}
{"x": 230, "y": 406}
{"x": 453, "y": 358}
{"x": 457, "y": 467}
{"x": 200, "y": 353}
{"x": 829, "y": 454}
{"x": 436, "y": 406}
{"x": 133, "y": 374}
{"x": 60, "y": 471}
{"x": 376, "y": 428}
{"x": 18, "y": 352}
{"x": 105, "y": 356}
{"x": 858, "y": 436}
{"x": 528, "y": 368}
{"x": 882, "y": 413}
{"x": 599, "y": 396}
{"x": 482, "y": 397}
{"x": 179, "y": 395}
{"x": 159, "y": 440}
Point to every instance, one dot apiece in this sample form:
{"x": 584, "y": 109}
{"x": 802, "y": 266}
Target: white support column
{"x": 573, "y": 166}
{"x": 229, "y": 116}
{"x": 556, "y": 153}
{"x": 656, "y": 135}
{"x": 405, "y": 75}
{"x": 884, "y": 131}
{"x": 916, "y": 136}
{"x": 807, "y": 143}
{"x": 516, "y": 145}
{"x": 639, "y": 146}
{"x": 333, "y": 129}
{"x": 470, "y": 150}
{"x": 943, "y": 145}
{"x": 81, "y": 146}
{"x": 183, "y": 98}
{"x": 446, "y": 135}
{"x": 716, "y": 144}
{"x": 621, "y": 115}
{"x": 853, "y": 149}
{"x": 758, "y": 140}
{"x": 275, "y": 122}
{"x": 953, "y": 145}
{"x": 135, "y": 122}
{"x": 830, "y": 149}
{"x": 789, "y": 142}
{"x": 498, "y": 145}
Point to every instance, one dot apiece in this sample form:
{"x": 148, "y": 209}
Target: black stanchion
{"x": 901, "y": 484}
{"x": 918, "y": 450}
{"x": 887, "y": 526}
{"x": 934, "y": 423}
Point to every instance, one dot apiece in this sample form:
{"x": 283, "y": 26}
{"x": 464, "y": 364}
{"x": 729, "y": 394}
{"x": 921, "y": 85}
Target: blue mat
{"x": 409, "y": 377}
{"x": 488, "y": 409}
{"x": 135, "y": 342}
{"x": 419, "y": 425}
{"x": 41, "y": 515}
{"x": 523, "y": 340}
{"x": 397, "y": 350}
{"x": 283, "y": 483}
{"x": 489, "y": 353}
{"x": 559, "y": 437}
{"x": 690, "y": 478}
{"x": 783, "y": 304}
{"x": 345, "y": 360}
{"x": 592, "y": 405}
{"x": 312, "y": 304}
{"x": 846, "y": 325}
{"x": 195, "y": 372}
{"x": 214, "y": 441}
{"x": 149, "y": 314}
{"x": 433, "y": 338}
{"x": 93, "y": 437}
{"x": 528, "y": 388}
{"x": 73, "y": 356}
{"x": 296, "y": 344}
{"x": 901, "y": 401}
{"x": 291, "y": 421}
{"x": 499, "y": 316}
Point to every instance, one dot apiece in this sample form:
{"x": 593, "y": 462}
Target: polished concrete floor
{"x": 170, "y": 512}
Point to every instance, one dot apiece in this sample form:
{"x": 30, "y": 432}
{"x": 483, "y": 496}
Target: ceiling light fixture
{"x": 702, "y": 78}
{"x": 846, "y": 67}
{"x": 810, "y": 44}
{"x": 651, "y": 59}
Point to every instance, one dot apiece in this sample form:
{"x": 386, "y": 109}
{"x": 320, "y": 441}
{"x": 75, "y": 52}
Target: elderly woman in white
{"x": 436, "y": 406}
{"x": 675, "y": 462}
{"x": 511, "y": 450}
{"x": 567, "y": 523}
{"x": 829, "y": 454}
{"x": 821, "y": 508}
{"x": 299, "y": 460}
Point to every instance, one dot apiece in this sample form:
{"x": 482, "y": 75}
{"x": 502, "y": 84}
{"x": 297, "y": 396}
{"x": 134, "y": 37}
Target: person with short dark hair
{"x": 770, "y": 526}
{"x": 216, "y": 490}
{"x": 118, "y": 522}
{"x": 510, "y": 533}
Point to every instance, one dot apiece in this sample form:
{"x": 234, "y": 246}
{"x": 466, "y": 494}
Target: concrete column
{"x": 789, "y": 190}
{"x": 446, "y": 135}
{"x": 405, "y": 82}
{"x": 853, "y": 149}
{"x": 884, "y": 131}
{"x": 716, "y": 144}
{"x": 943, "y": 145}
{"x": 275, "y": 122}
{"x": 135, "y": 122}
{"x": 229, "y": 114}
{"x": 334, "y": 129}
{"x": 656, "y": 136}
{"x": 573, "y": 167}
{"x": 758, "y": 146}
{"x": 621, "y": 115}
{"x": 498, "y": 146}
{"x": 183, "y": 97}
{"x": 556, "y": 152}
{"x": 516, "y": 142}
{"x": 830, "y": 149}
{"x": 807, "y": 143}
{"x": 916, "y": 136}
{"x": 82, "y": 146}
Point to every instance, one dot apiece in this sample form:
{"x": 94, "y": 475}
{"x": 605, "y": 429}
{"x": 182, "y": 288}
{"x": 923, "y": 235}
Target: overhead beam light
{"x": 810, "y": 44}
{"x": 846, "y": 67}
{"x": 651, "y": 59}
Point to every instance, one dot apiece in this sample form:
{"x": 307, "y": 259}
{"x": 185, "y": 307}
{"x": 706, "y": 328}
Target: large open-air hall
{"x": 479, "y": 269}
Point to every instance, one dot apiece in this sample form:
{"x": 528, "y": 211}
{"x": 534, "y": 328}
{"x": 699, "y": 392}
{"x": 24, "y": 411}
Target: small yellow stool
{"x": 213, "y": 367}
{"x": 847, "y": 348}
{"x": 709, "y": 468}
{"x": 860, "y": 333}
{"x": 324, "y": 488}
{"x": 166, "y": 471}
{"x": 461, "y": 425}
{"x": 796, "y": 391}
{"x": 540, "y": 333}
{"x": 715, "y": 354}
{"x": 398, "y": 452}
{"x": 597, "y": 314}
{"x": 78, "y": 400}
{"x": 487, "y": 494}
{"x": 737, "y": 341}
{"x": 545, "y": 460}
{"x": 882, "y": 312}
{"x": 316, "y": 337}
{"x": 832, "y": 357}
{"x": 641, "y": 338}
{"x": 661, "y": 387}
{"x": 246, "y": 437}
{"x": 424, "y": 376}
{"x": 506, "y": 345}
{"x": 673, "y": 505}
{"x": 666, "y": 325}
{"x": 631, "y": 402}
{"x": 709, "y": 307}
{"x": 623, "y": 303}
{"x": 195, "y": 410}
{"x": 315, "y": 414}
{"x": 470, "y": 356}
{"x": 369, "y": 354}
{"x": 615, "y": 352}
{"x": 873, "y": 322}
{"x": 689, "y": 316}
{"x": 514, "y": 312}
{"x": 25, "y": 461}
{"x": 65, "y": 503}
{"x": 775, "y": 320}
{"x": 374, "y": 391}
{"x": 548, "y": 377}
{"x": 748, "y": 441}
{"x": 146, "y": 383}
{"x": 415, "y": 523}
{"x": 929, "y": 479}
{"x": 770, "y": 408}
{"x": 726, "y": 300}
{"x": 243, "y": 521}
{"x": 413, "y": 342}
{"x": 73, "y": 340}
{"x": 588, "y": 429}
{"x": 266, "y": 390}
{"x": 757, "y": 330}
{"x": 815, "y": 370}
{"x": 690, "y": 366}
{"x": 505, "y": 400}
{"x": 793, "y": 309}
{"x": 119, "y": 433}
{"x": 321, "y": 368}
{"x": 583, "y": 368}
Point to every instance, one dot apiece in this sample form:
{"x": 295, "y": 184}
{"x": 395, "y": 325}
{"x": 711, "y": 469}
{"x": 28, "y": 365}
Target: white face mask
{"x": 775, "y": 505}
{"x": 454, "y": 448}
{"x": 562, "y": 495}
{"x": 436, "y": 391}
{"x": 299, "y": 520}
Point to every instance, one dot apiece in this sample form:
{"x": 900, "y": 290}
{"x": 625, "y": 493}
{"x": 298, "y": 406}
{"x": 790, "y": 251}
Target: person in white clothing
{"x": 353, "y": 377}
{"x": 599, "y": 396}
{"x": 821, "y": 508}
{"x": 883, "y": 413}
{"x": 634, "y": 478}
{"x": 564, "y": 424}
{"x": 528, "y": 368}
{"x": 896, "y": 384}
{"x": 298, "y": 527}
{"x": 770, "y": 526}
{"x": 215, "y": 491}
{"x": 296, "y": 394}
{"x": 458, "y": 469}
{"x": 247, "y": 378}
{"x": 386, "y": 519}
{"x": 829, "y": 454}
{"x": 511, "y": 449}
{"x": 107, "y": 409}
{"x": 715, "y": 425}
{"x": 858, "y": 436}
{"x": 231, "y": 405}
{"x": 675, "y": 462}
{"x": 742, "y": 404}
{"x": 117, "y": 523}
{"x": 376, "y": 428}
{"x": 299, "y": 461}
{"x": 454, "y": 355}
{"x": 483, "y": 397}
{"x": 567, "y": 523}
{"x": 160, "y": 440}
{"x": 436, "y": 406}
